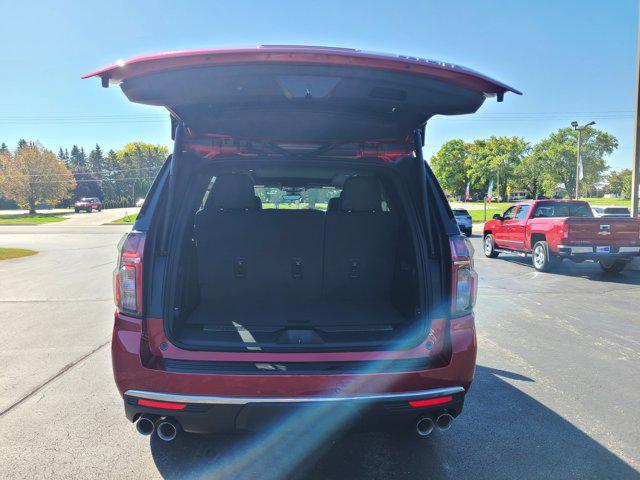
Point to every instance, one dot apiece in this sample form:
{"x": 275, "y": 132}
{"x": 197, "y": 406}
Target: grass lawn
{"x": 619, "y": 202}
{"x": 8, "y": 253}
{"x": 478, "y": 215}
{"x": 126, "y": 220}
{"x": 29, "y": 219}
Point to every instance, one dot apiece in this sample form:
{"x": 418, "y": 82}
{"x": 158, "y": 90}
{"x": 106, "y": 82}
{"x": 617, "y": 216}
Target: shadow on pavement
{"x": 587, "y": 270}
{"x": 502, "y": 433}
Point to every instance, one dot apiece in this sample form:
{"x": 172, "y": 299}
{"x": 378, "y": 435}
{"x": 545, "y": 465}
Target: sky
{"x": 573, "y": 59}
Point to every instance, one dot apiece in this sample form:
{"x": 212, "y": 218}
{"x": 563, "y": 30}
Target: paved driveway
{"x": 555, "y": 396}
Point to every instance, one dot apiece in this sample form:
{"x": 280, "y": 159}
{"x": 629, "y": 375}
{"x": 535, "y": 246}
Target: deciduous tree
{"x": 560, "y": 151}
{"x": 619, "y": 183}
{"x": 32, "y": 175}
{"x": 450, "y": 166}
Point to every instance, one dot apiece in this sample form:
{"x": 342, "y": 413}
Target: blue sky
{"x": 573, "y": 59}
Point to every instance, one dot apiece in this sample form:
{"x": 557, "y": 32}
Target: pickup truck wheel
{"x": 541, "y": 257}
{"x": 77, "y": 210}
{"x": 489, "y": 246}
{"x": 612, "y": 266}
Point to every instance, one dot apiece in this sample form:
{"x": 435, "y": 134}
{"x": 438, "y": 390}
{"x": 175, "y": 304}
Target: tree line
{"x": 33, "y": 176}
{"x": 545, "y": 168}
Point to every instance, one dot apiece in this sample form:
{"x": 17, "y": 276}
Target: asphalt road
{"x": 555, "y": 395}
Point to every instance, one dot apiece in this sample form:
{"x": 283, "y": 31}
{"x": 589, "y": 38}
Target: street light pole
{"x": 579, "y": 156}
{"x": 578, "y": 163}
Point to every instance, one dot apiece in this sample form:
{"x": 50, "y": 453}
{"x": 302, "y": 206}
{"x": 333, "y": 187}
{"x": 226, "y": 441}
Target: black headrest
{"x": 361, "y": 194}
{"x": 233, "y": 192}
{"x": 333, "y": 205}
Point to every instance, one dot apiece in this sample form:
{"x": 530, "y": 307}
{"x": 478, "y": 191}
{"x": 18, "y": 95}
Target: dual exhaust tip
{"x": 165, "y": 427}
{"x": 426, "y": 425}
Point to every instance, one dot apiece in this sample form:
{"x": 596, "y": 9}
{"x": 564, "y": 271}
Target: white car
{"x": 139, "y": 202}
{"x": 609, "y": 212}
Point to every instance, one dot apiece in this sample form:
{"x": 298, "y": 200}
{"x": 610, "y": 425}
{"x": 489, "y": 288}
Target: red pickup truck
{"x": 551, "y": 230}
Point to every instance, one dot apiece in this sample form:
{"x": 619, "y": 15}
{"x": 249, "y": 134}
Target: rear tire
{"x": 489, "y": 247}
{"x": 612, "y": 266}
{"x": 89, "y": 210}
{"x": 541, "y": 257}
{"x": 77, "y": 210}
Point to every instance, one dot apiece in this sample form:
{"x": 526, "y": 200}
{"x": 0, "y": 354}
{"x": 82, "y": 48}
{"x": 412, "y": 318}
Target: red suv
{"x": 295, "y": 258}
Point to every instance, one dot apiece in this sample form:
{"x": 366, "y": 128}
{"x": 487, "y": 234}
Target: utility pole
{"x": 579, "y": 156}
{"x": 636, "y": 157}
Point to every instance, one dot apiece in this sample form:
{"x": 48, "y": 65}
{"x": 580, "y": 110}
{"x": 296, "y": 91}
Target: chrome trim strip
{"x": 215, "y": 400}
{"x": 573, "y": 249}
{"x": 629, "y": 249}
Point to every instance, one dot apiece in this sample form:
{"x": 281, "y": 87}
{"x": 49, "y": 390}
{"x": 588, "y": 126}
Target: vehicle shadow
{"x": 502, "y": 433}
{"x": 586, "y": 270}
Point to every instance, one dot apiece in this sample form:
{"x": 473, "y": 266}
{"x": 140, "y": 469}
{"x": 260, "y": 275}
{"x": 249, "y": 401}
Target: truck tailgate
{"x": 603, "y": 231}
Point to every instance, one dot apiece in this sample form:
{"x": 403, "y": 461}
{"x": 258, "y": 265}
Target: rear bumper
{"x": 227, "y": 401}
{"x": 589, "y": 252}
{"x": 216, "y": 414}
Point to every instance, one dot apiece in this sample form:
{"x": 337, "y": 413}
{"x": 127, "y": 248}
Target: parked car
{"x": 139, "y": 202}
{"x": 88, "y": 204}
{"x": 551, "y": 230}
{"x": 231, "y": 312}
{"x": 465, "y": 223}
{"x": 611, "y": 212}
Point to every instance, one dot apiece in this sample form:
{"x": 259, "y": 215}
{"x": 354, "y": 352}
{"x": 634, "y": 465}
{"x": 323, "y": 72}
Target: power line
{"x": 103, "y": 172}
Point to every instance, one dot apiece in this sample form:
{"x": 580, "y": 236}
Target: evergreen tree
{"x": 96, "y": 160}
{"x": 3, "y": 148}
{"x": 62, "y": 155}
{"x": 22, "y": 143}
{"x": 77, "y": 157}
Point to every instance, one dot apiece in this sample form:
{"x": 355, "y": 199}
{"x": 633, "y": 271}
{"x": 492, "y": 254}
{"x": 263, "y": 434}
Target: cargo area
{"x": 308, "y": 256}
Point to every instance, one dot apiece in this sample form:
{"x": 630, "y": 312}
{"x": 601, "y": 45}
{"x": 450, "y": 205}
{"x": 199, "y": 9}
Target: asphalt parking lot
{"x": 555, "y": 395}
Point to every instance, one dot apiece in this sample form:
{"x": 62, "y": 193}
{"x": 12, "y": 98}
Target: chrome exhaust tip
{"x": 146, "y": 424}
{"x": 444, "y": 421}
{"x": 167, "y": 429}
{"x": 424, "y": 426}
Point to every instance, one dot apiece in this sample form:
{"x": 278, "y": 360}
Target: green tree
{"x": 530, "y": 174}
{"x": 450, "y": 166}
{"x": 129, "y": 172}
{"x": 619, "y": 183}
{"x": 96, "y": 160}
{"x": 495, "y": 158}
{"x": 559, "y": 152}
{"x": 77, "y": 157}
{"x": 3, "y": 149}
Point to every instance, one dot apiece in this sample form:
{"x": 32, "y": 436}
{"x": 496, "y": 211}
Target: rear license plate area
{"x": 603, "y": 249}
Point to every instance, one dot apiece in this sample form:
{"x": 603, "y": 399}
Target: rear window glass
{"x": 460, "y": 211}
{"x": 617, "y": 210}
{"x": 316, "y": 198}
{"x": 293, "y": 198}
{"x": 563, "y": 210}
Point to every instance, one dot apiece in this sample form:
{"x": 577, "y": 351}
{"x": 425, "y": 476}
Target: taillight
{"x": 127, "y": 277}
{"x": 465, "y": 278}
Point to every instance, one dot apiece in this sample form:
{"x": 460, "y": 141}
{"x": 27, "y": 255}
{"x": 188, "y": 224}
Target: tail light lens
{"x": 127, "y": 277}
{"x": 465, "y": 278}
